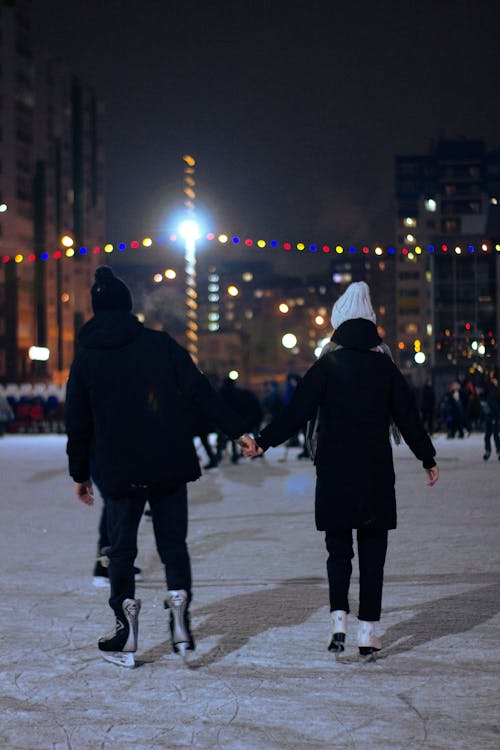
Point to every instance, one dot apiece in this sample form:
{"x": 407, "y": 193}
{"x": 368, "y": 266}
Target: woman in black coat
{"x": 359, "y": 391}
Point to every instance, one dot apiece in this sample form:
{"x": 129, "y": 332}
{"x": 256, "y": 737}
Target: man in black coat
{"x": 359, "y": 391}
{"x": 129, "y": 397}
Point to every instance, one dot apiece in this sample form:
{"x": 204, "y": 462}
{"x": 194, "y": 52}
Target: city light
{"x": 233, "y": 375}
{"x": 233, "y": 291}
{"x": 189, "y": 230}
{"x": 283, "y": 308}
{"x": 289, "y": 340}
{"x": 157, "y": 278}
{"x": 319, "y": 320}
{"x": 419, "y": 358}
{"x": 67, "y": 241}
{"x": 3, "y": 208}
{"x": 39, "y": 353}
{"x": 170, "y": 273}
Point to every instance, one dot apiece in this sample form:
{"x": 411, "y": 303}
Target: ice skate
{"x": 368, "y": 643}
{"x": 120, "y": 645}
{"x": 338, "y": 631}
{"x": 182, "y": 640}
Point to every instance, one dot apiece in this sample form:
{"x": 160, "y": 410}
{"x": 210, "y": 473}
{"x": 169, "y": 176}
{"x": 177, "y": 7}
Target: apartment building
{"x": 51, "y": 187}
{"x": 448, "y": 265}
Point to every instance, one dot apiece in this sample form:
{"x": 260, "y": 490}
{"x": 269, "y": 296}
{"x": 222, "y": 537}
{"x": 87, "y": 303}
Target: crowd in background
{"x": 468, "y": 405}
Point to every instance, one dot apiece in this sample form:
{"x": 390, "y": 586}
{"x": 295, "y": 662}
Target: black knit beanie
{"x": 109, "y": 292}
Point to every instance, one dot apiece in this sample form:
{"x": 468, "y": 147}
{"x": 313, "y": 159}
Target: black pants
{"x": 372, "y": 548}
{"x": 170, "y": 521}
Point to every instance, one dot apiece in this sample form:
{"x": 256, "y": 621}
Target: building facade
{"x": 52, "y": 187}
{"x": 448, "y": 263}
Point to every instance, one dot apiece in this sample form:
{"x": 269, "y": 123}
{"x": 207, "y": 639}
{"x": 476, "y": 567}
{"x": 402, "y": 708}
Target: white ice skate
{"x": 368, "y": 643}
{"x": 182, "y": 639}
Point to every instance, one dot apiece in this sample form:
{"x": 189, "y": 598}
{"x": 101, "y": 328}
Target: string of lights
{"x": 225, "y": 239}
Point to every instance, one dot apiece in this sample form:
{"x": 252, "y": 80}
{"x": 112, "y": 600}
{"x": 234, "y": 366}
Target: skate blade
{"x": 182, "y": 650}
{"x": 120, "y": 658}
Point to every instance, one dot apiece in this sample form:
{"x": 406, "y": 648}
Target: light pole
{"x": 190, "y": 232}
{"x": 67, "y": 242}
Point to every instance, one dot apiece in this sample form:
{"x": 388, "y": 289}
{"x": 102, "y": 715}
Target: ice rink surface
{"x": 261, "y": 677}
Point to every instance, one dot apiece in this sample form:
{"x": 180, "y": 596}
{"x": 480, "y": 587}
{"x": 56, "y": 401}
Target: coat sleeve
{"x": 199, "y": 394}
{"x": 302, "y": 407}
{"x": 79, "y": 424}
{"x": 407, "y": 418}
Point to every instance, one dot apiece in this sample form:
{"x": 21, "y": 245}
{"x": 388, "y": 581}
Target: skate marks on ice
{"x": 46, "y": 476}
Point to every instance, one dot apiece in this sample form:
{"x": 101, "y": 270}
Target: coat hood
{"x": 111, "y": 329}
{"x": 357, "y": 333}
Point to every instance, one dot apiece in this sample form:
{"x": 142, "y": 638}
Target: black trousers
{"x": 372, "y": 548}
{"x": 170, "y": 523}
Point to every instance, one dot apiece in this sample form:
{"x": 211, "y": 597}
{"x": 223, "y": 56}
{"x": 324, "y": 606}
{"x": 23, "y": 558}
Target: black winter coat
{"x": 358, "y": 391}
{"x": 129, "y": 398}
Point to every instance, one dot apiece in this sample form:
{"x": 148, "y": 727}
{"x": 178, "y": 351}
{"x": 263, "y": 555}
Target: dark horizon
{"x": 294, "y": 116}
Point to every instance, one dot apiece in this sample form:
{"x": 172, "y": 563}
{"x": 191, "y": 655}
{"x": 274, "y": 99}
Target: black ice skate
{"x": 120, "y": 646}
{"x": 182, "y": 640}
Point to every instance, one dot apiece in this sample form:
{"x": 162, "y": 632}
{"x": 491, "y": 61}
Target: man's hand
{"x": 85, "y": 492}
{"x": 433, "y": 475}
{"x": 249, "y": 447}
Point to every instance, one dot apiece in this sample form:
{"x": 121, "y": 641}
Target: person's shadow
{"x": 239, "y": 618}
{"x": 450, "y": 615}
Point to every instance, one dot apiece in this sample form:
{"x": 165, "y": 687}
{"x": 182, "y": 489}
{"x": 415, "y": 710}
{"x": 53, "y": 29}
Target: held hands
{"x": 433, "y": 475}
{"x": 249, "y": 447}
{"x": 85, "y": 492}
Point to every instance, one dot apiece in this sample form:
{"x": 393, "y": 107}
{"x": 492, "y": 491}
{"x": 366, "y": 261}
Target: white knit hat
{"x": 354, "y": 303}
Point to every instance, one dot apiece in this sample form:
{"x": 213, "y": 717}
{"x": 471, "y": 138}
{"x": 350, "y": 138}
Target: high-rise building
{"x": 51, "y": 184}
{"x": 448, "y": 274}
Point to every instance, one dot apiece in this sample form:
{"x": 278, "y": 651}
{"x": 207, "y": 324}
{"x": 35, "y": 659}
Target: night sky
{"x": 294, "y": 111}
